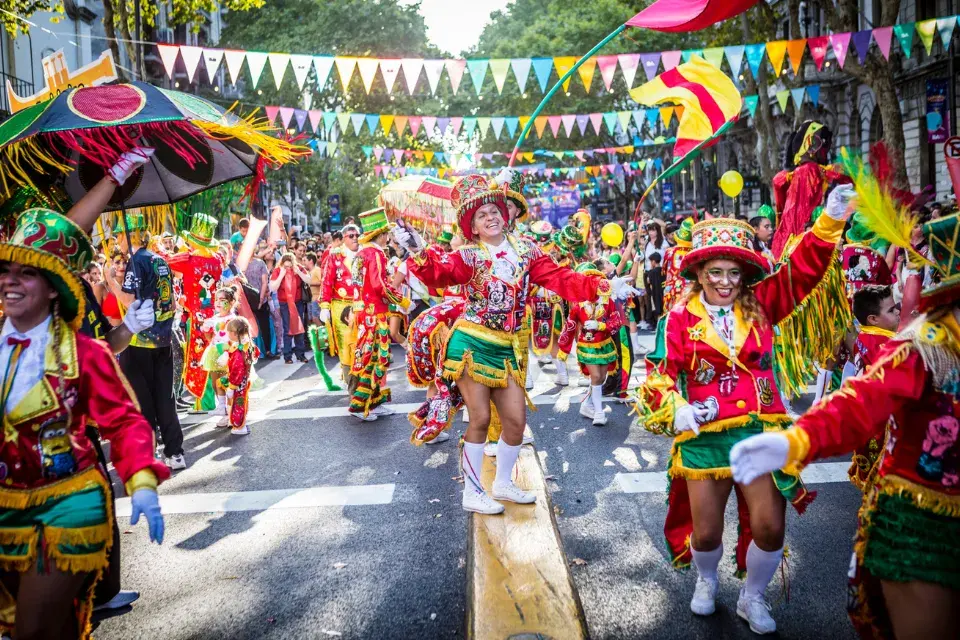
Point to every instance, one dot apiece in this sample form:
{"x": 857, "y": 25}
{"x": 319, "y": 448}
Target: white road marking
{"x": 269, "y": 500}
{"x": 656, "y": 481}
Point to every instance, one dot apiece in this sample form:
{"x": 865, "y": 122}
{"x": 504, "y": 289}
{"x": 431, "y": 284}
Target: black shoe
{"x": 287, "y": 361}
{"x": 302, "y": 359}
{"x": 271, "y": 356}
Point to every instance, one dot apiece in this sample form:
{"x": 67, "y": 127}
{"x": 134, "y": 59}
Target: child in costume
{"x": 711, "y": 383}
{"x": 591, "y": 325}
{"x": 215, "y": 330}
{"x": 56, "y": 511}
{"x": 240, "y": 354}
{"x": 483, "y": 355}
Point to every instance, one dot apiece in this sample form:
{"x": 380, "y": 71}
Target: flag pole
{"x": 556, "y": 87}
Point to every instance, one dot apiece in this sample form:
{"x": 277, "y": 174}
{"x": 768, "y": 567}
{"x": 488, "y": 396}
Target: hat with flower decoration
{"x": 683, "y": 235}
{"x": 724, "y": 238}
{"x": 50, "y": 242}
{"x": 203, "y": 227}
{"x": 469, "y": 194}
{"x": 512, "y": 184}
{"x": 374, "y": 222}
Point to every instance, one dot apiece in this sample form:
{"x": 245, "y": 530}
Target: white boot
{"x": 596, "y": 399}
{"x": 562, "y": 378}
{"x": 221, "y": 408}
{"x": 586, "y": 408}
{"x": 503, "y": 487}
{"x": 474, "y": 497}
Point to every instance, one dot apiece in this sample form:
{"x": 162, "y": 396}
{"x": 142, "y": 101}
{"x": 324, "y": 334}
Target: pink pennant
{"x": 628, "y": 66}
{"x": 272, "y": 114}
{"x": 608, "y": 66}
{"x": 596, "y": 119}
{"x": 168, "y": 55}
{"x": 579, "y": 155}
{"x": 286, "y": 113}
{"x": 568, "y": 121}
{"x": 818, "y": 50}
{"x": 390, "y": 70}
{"x": 670, "y": 59}
{"x": 377, "y": 169}
{"x": 191, "y": 58}
{"x": 554, "y": 125}
{"x": 455, "y": 123}
{"x": 841, "y": 44}
{"x": 315, "y": 115}
{"x": 378, "y": 152}
{"x": 883, "y": 37}
{"x": 414, "y": 125}
{"x": 455, "y": 70}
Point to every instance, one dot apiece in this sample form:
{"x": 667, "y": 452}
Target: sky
{"x": 456, "y": 25}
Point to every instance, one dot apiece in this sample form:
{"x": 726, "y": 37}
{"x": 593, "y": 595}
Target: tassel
{"x": 313, "y": 336}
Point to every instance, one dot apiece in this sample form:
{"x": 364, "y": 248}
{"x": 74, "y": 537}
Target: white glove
{"x": 758, "y": 455}
{"x": 407, "y": 238}
{"x": 128, "y": 163}
{"x": 591, "y": 325}
{"x": 139, "y": 316}
{"x": 505, "y": 177}
{"x": 324, "y": 316}
{"x": 685, "y": 419}
{"x": 622, "y": 289}
{"x": 838, "y": 202}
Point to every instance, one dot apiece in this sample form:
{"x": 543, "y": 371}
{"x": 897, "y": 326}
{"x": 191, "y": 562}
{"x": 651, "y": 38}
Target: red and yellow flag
{"x": 709, "y": 99}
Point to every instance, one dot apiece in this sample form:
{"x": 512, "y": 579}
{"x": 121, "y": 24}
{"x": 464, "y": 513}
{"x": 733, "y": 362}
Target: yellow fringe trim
{"x": 252, "y": 131}
{"x": 922, "y": 497}
{"x": 799, "y": 448}
{"x": 24, "y": 158}
{"x": 31, "y": 257}
{"x": 84, "y": 536}
{"x": 487, "y": 376}
{"x": 499, "y": 338}
{"x": 771, "y": 422}
{"x": 25, "y": 498}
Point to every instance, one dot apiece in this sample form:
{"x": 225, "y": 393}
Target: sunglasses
{"x": 352, "y": 235}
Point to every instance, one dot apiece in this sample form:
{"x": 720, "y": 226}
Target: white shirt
{"x": 506, "y": 262}
{"x": 722, "y": 319}
{"x": 418, "y": 290}
{"x": 30, "y": 370}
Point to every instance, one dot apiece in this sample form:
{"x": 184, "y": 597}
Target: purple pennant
{"x": 861, "y": 40}
{"x": 301, "y": 117}
{"x": 582, "y": 121}
{"x": 387, "y": 155}
{"x": 650, "y": 63}
{"x": 443, "y": 123}
{"x": 488, "y": 157}
{"x": 589, "y": 153}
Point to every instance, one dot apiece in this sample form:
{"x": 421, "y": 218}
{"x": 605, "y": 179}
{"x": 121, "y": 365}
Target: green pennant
{"x": 782, "y": 97}
{"x": 751, "y": 103}
{"x": 689, "y": 53}
{"x": 714, "y": 56}
{"x": 905, "y": 37}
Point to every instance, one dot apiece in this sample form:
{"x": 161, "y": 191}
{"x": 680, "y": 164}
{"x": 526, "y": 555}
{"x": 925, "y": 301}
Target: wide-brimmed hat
{"x": 684, "y": 233}
{"x": 942, "y": 235}
{"x": 48, "y": 241}
{"x": 588, "y": 269}
{"x": 374, "y": 222}
{"x": 445, "y": 236}
{"x": 135, "y": 223}
{"x": 469, "y": 194}
{"x": 724, "y": 238}
{"x": 541, "y": 230}
{"x": 201, "y": 232}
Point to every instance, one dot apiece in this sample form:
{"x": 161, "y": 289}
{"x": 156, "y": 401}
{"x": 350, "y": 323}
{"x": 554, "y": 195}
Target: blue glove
{"x": 146, "y": 502}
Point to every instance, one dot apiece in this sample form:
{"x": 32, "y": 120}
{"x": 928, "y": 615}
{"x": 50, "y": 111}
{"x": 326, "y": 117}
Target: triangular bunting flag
{"x": 373, "y": 120}
{"x": 818, "y": 50}
{"x": 638, "y": 119}
{"x": 564, "y": 64}
{"x": 390, "y": 69}
{"x": 813, "y": 92}
{"x": 582, "y": 121}
{"x": 455, "y": 123}
{"x": 286, "y": 114}
{"x": 652, "y": 114}
{"x": 542, "y": 68}
{"x": 301, "y": 68}
{"x": 443, "y": 124}
{"x": 234, "y": 61}
{"x": 484, "y": 125}
{"x": 776, "y": 51}
{"x": 478, "y": 71}
{"x": 797, "y": 95}
{"x": 751, "y": 103}
{"x": 925, "y": 30}
{"x": 168, "y": 56}
{"x": 497, "y": 124}
{"x": 414, "y": 125}
{"x": 666, "y": 114}
{"x": 670, "y": 59}
{"x": 367, "y": 151}
{"x": 782, "y": 97}
{"x": 586, "y": 73}
{"x": 945, "y": 27}
{"x": 861, "y": 42}
{"x": 368, "y": 71}
{"x": 521, "y": 71}
{"x": 651, "y": 64}
{"x": 429, "y": 124}
{"x": 345, "y": 67}
{"x": 211, "y": 60}
{"x": 433, "y": 69}
{"x": 841, "y": 44}
{"x": 428, "y": 156}
{"x": 301, "y": 117}
{"x": 568, "y": 121}
{"x": 540, "y": 124}
{"x": 271, "y": 114}
{"x": 411, "y": 72}
{"x": 191, "y": 58}
{"x": 554, "y": 125}
{"x": 512, "y": 126}
{"x": 357, "y": 119}
{"x": 315, "y": 117}
{"x": 734, "y": 59}
{"x": 596, "y": 119}
{"x": 795, "y": 52}
{"x": 608, "y": 67}
{"x": 329, "y": 117}
{"x": 905, "y": 36}
{"x": 883, "y": 36}
{"x": 278, "y": 66}
{"x": 523, "y": 120}
{"x": 754, "y": 54}
{"x": 714, "y": 56}
{"x": 499, "y": 68}
{"x": 401, "y": 123}
{"x": 386, "y": 122}
{"x": 455, "y": 68}
{"x": 469, "y": 125}
{"x": 610, "y": 119}
{"x": 343, "y": 119}
{"x": 322, "y": 65}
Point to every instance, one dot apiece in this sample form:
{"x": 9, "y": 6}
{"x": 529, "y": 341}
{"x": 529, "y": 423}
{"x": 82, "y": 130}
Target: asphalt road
{"x": 317, "y": 525}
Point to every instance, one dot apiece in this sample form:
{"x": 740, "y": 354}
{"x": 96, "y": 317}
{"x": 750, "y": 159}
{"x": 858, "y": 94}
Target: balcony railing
{"x": 20, "y": 87}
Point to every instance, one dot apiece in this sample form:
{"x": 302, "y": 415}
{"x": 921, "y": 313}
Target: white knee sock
{"x": 221, "y": 401}
{"x": 506, "y": 458}
{"x": 707, "y": 563}
{"x": 596, "y": 394}
{"x": 559, "y": 364}
{"x": 472, "y": 466}
{"x": 761, "y": 567}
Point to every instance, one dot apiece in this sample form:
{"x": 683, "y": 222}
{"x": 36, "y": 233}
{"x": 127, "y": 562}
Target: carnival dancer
{"x": 906, "y": 555}
{"x": 720, "y": 339}
{"x": 240, "y": 355}
{"x": 483, "y": 352}
{"x": 337, "y": 294}
{"x": 591, "y": 325}
{"x": 199, "y": 268}
{"x": 674, "y": 284}
{"x": 57, "y": 514}
{"x": 215, "y": 330}
{"x": 371, "y": 354}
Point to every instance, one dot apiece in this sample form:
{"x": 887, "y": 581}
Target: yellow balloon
{"x": 732, "y": 183}
{"x": 612, "y": 234}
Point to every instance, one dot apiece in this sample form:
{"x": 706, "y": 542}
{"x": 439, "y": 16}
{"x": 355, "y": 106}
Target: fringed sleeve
{"x": 660, "y": 397}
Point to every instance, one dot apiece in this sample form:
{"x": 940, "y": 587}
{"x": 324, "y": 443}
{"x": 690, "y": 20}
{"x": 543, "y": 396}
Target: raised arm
{"x": 567, "y": 283}
{"x": 436, "y": 268}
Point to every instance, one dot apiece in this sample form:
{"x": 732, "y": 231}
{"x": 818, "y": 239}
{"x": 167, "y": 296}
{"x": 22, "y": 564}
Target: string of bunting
{"x": 557, "y": 124}
{"x": 389, "y": 69}
{"x": 389, "y": 172}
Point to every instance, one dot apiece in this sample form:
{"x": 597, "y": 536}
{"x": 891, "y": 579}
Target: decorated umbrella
{"x": 82, "y": 132}
{"x": 420, "y": 200}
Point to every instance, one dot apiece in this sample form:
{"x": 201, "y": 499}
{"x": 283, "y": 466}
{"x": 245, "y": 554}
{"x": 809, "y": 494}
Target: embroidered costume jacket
{"x": 40, "y": 448}
{"x": 608, "y": 316}
{"x": 734, "y": 384}
{"x": 374, "y": 294}
{"x": 673, "y": 282}
{"x": 239, "y": 362}
{"x": 337, "y": 279}
{"x": 498, "y": 301}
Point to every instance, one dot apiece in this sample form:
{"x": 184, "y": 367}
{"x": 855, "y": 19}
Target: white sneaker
{"x": 490, "y": 449}
{"x": 586, "y": 409}
{"x": 382, "y": 410}
{"x": 529, "y": 383}
{"x": 704, "y": 601}
{"x": 755, "y": 610}
{"x": 527, "y": 439}
{"x": 365, "y": 418}
{"x": 223, "y": 422}
{"x": 122, "y": 599}
{"x": 512, "y": 493}
{"x": 480, "y": 502}
{"x": 599, "y": 418}
{"x": 562, "y": 378}
{"x": 644, "y": 326}
{"x": 443, "y": 436}
{"x": 543, "y": 359}
{"x": 221, "y": 410}
{"x": 176, "y": 462}
{"x": 241, "y": 431}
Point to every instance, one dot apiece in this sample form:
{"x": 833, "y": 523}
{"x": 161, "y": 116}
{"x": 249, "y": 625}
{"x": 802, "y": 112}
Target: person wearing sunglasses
{"x": 337, "y": 294}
